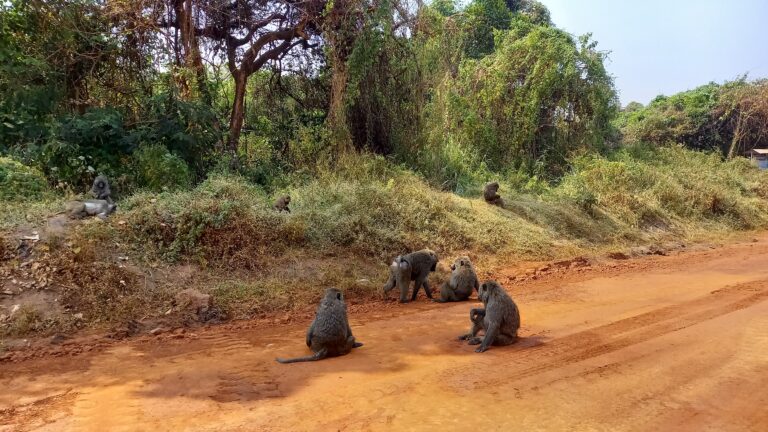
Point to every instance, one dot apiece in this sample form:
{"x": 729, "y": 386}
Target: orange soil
{"x": 664, "y": 343}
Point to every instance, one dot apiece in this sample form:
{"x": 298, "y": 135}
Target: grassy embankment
{"x": 223, "y": 237}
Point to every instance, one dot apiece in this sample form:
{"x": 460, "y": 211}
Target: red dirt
{"x": 661, "y": 343}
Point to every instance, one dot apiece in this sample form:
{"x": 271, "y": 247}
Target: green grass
{"x": 348, "y": 222}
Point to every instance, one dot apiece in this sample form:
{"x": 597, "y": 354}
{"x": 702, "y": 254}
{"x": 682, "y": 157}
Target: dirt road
{"x": 666, "y": 343}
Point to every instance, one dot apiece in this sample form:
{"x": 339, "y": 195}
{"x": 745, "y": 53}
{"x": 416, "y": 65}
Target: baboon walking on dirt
{"x": 415, "y": 267}
{"x": 500, "y": 318}
{"x": 329, "y": 335}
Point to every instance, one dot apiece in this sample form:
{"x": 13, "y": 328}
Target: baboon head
{"x": 333, "y": 294}
{"x": 488, "y": 289}
{"x": 461, "y": 262}
{"x": 287, "y": 199}
{"x": 100, "y": 188}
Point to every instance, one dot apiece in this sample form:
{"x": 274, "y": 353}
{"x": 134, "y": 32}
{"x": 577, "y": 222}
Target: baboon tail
{"x": 314, "y": 357}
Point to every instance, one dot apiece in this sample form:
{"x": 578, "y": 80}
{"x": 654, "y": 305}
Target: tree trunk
{"x": 192, "y": 59}
{"x": 736, "y": 137}
{"x": 238, "y": 112}
{"x": 337, "y": 116}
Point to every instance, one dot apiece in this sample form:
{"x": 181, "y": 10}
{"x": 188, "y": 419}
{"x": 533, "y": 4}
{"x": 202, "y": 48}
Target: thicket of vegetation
{"x": 171, "y": 89}
{"x": 729, "y": 119}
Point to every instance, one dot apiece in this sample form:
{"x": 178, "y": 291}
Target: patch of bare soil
{"x": 665, "y": 342}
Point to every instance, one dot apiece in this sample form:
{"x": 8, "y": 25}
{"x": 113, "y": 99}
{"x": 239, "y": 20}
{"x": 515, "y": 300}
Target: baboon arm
{"x": 490, "y": 335}
{"x": 309, "y": 334}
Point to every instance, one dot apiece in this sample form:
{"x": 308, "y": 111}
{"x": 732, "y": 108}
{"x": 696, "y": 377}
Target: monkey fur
{"x": 329, "y": 335}
{"x": 414, "y": 266}
{"x": 499, "y": 319}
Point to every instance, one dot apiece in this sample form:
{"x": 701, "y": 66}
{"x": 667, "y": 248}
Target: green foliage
{"x": 157, "y": 169}
{"x": 730, "y": 118}
{"x": 19, "y": 182}
{"x": 483, "y": 17}
{"x": 682, "y": 118}
{"x": 537, "y": 99}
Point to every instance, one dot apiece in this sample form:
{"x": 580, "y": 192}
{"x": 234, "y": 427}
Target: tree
{"x": 251, "y": 33}
{"x": 746, "y": 111}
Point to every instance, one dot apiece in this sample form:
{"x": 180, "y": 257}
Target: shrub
{"x": 157, "y": 169}
{"x": 19, "y": 182}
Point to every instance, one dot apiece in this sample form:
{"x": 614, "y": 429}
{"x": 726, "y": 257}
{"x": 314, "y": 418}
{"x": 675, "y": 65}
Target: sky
{"x": 665, "y": 47}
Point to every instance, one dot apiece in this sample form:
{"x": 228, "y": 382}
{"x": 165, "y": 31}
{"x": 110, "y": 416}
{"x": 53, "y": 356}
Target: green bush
{"x": 157, "y": 169}
{"x": 19, "y": 182}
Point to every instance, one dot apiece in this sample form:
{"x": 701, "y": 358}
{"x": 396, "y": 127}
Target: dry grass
{"x": 346, "y": 224}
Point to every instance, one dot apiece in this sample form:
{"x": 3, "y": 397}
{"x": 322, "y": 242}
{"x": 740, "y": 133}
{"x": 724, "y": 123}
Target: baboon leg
{"x": 427, "y": 289}
{"x": 404, "y": 292}
{"x": 446, "y": 294}
{"x": 351, "y": 343}
{"x": 421, "y": 281}
{"x": 490, "y": 336}
{"x": 351, "y": 338}
{"x": 504, "y": 339}
{"x": 319, "y": 355}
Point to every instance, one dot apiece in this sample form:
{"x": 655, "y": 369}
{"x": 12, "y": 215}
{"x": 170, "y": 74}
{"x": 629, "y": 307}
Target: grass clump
{"x": 670, "y": 188}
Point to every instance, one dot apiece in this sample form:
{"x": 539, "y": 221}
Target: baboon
{"x": 98, "y": 208}
{"x": 463, "y": 280}
{"x": 329, "y": 334}
{"x": 282, "y": 203}
{"x": 100, "y": 189}
{"x": 415, "y": 266}
{"x": 490, "y": 193}
{"x": 500, "y": 318}
{"x": 101, "y": 207}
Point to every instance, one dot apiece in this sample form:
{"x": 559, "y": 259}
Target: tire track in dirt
{"x": 681, "y": 346}
{"x": 526, "y": 357}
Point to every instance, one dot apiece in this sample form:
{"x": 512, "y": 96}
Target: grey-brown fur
{"x": 101, "y": 190}
{"x": 500, "y": 319}
{"x": 85, "y": 208}
{"x": 416, "y": 267}
{"x": 491, "y": 195}
{"x": 281, "y": 204}
{"x": 463, "y": 280}
{"x": 329, "y": 335}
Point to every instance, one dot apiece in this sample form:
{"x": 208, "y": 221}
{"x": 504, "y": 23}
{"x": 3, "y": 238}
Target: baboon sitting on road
{"x": 329, "y": 335}
{"x": 463, "y": 280}
{"x": 500, "y": 318}
{"x": 415, "y": 266}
